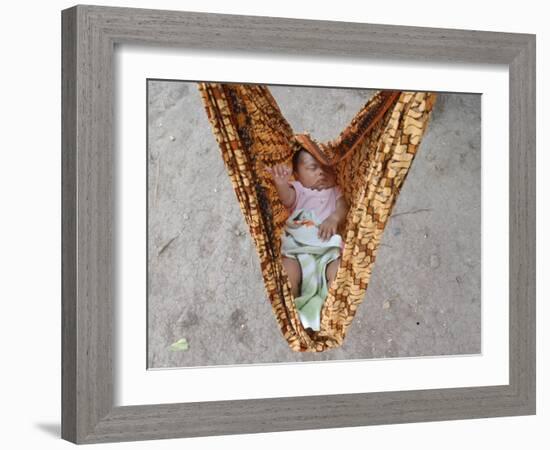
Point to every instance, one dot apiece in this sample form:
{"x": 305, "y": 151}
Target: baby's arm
{"x": 287, "y": 194}
{"x": 341, "y": 210}
{"x": 281, "y": 176}
{"x": 331, "y": 223}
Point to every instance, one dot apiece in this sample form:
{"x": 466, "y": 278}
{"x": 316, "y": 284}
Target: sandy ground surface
{"x": 204, "y": 281}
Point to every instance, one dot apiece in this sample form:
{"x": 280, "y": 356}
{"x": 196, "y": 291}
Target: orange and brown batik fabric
{"x": 371, "y": 159}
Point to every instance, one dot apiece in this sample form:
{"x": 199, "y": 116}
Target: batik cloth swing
{"x": 370, "y": 158}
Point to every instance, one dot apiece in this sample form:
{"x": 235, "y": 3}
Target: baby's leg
{"x": 294, "y": 272}
{"x": 332, "y": 268}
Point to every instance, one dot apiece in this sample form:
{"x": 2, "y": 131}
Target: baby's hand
{"x": 328, "y": 228}
{"x": 281, "y": 173}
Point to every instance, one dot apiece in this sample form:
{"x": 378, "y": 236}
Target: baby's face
{"x": 312, "y": 174}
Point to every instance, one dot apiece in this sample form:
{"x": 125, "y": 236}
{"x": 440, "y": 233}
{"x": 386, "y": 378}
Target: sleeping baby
{"x": 310, "y": 246}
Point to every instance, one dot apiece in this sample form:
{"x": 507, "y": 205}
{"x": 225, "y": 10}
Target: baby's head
{"x": 310, "y": 172}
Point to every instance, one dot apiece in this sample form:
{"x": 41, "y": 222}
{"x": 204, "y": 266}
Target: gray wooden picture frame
{"x": 89, "y": 34}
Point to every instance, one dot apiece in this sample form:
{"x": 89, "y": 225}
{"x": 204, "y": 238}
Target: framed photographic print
{"x": 278, "y": 224}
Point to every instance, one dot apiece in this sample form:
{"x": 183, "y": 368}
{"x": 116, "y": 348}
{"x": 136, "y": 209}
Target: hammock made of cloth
{"x": 370, "y": 158}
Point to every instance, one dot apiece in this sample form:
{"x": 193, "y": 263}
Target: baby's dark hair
{"x": 297, "y": 158}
